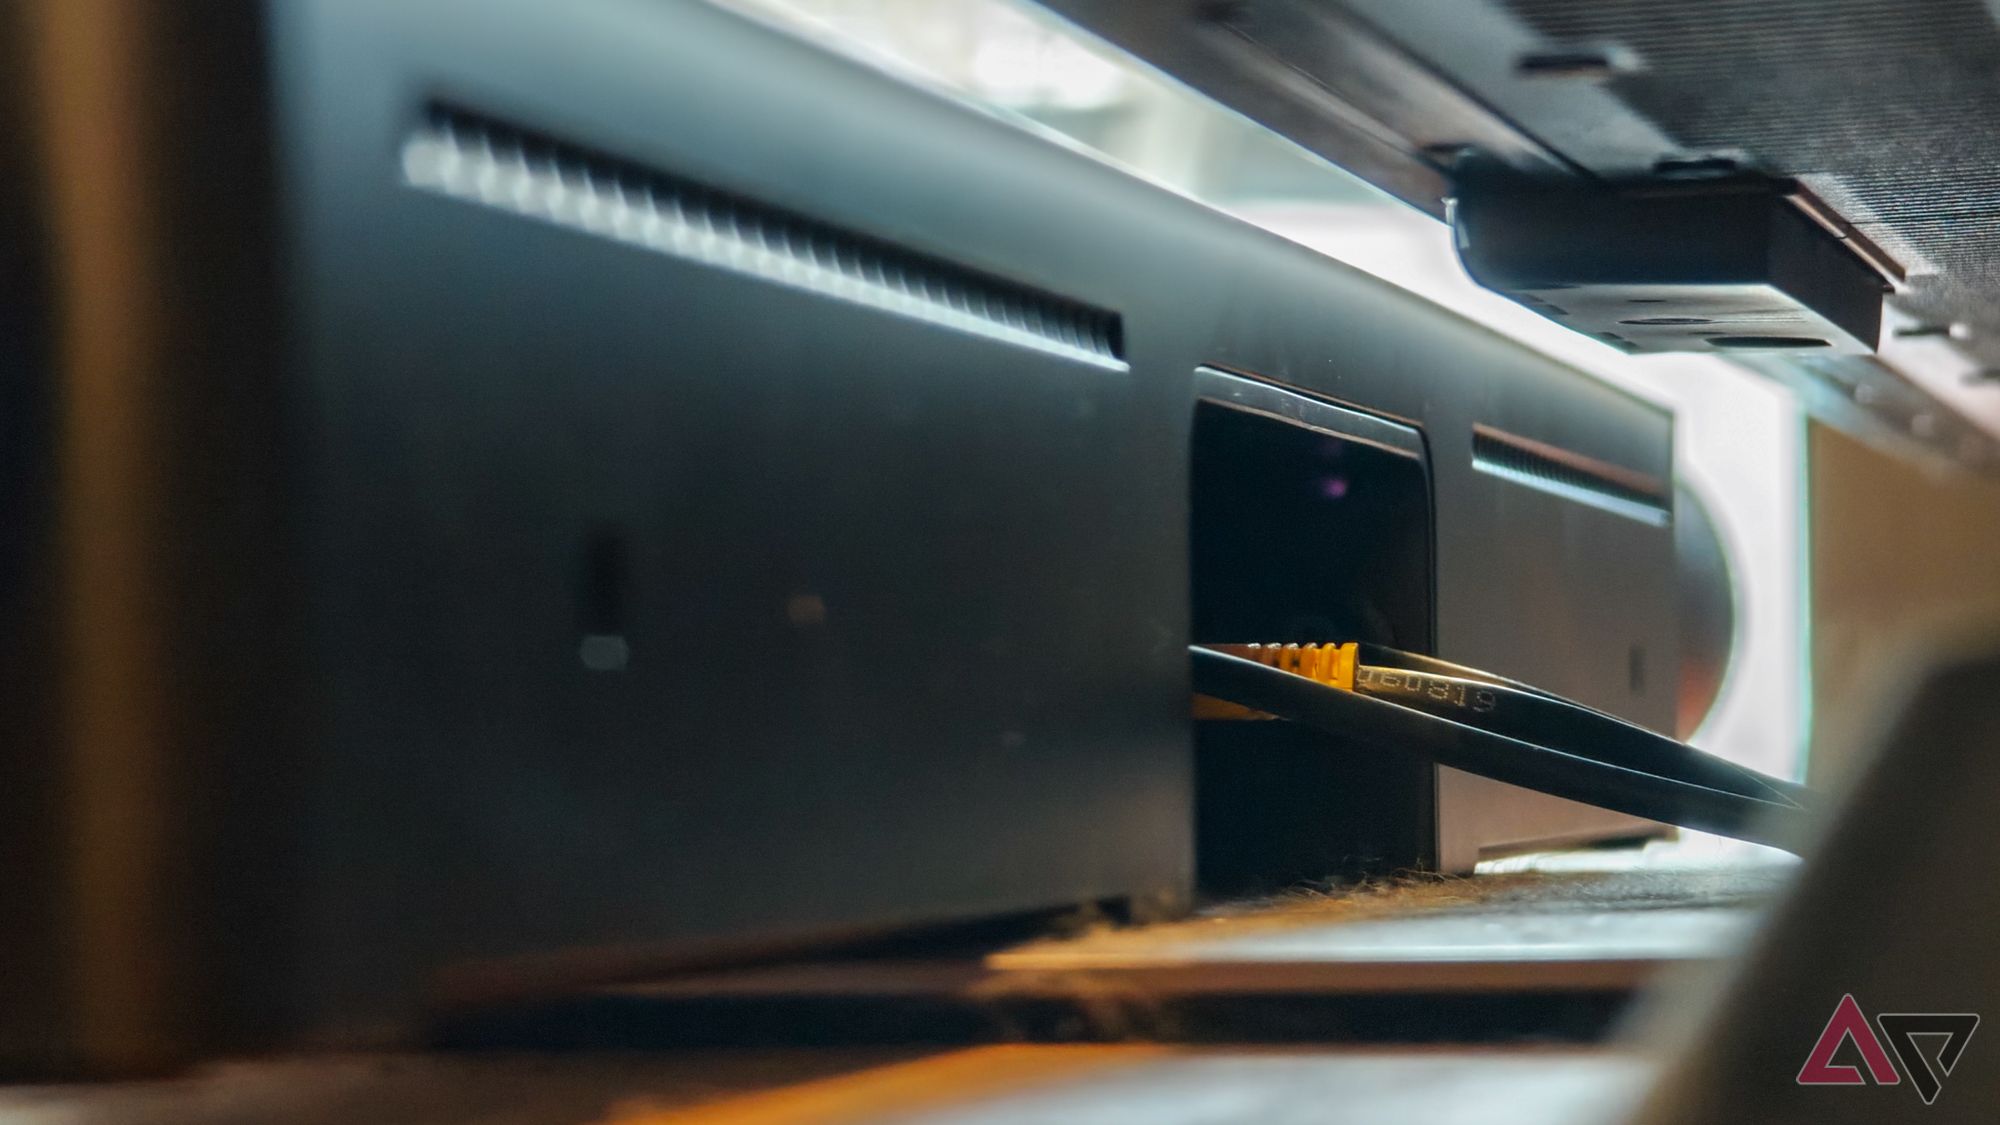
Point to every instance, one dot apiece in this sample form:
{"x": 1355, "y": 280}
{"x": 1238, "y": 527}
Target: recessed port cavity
{"x": 1307, "y": 521}
{"x": 604, "y": 574}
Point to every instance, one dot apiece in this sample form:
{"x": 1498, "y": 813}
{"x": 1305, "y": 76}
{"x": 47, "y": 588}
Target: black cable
{"x": 1533, "y": 715}
{"x": 1507, "y": 731}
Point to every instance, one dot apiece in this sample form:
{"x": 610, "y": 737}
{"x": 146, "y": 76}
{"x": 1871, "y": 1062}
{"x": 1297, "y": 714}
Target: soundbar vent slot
{"x": 1572, "y": 476}
{"x": 466, "y": 157}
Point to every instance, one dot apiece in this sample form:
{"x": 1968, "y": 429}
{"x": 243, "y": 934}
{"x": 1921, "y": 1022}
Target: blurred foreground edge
{"x": 1898, "y": 907}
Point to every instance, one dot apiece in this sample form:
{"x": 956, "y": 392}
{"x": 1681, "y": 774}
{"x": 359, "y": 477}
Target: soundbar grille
{"x": 477, "y": 160}
{"x": 1572, "y": 476}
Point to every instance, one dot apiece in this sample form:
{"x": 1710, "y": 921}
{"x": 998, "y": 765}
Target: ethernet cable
{"x": 1488, "y": 725}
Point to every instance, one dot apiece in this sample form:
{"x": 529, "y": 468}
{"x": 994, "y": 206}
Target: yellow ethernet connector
{"x": 1332, "y": 665}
